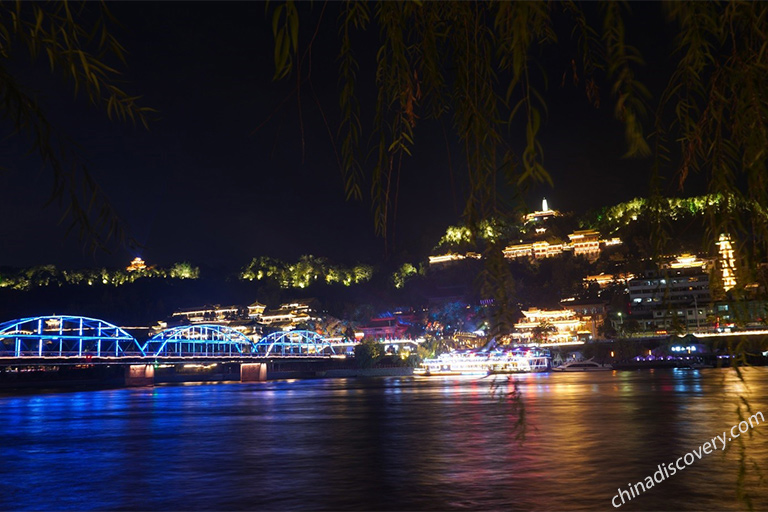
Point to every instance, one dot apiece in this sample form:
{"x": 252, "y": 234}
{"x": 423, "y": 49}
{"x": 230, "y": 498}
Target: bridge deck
{"x": 124, "y": 360}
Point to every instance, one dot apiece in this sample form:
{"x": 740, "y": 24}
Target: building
{"x": 604, "y": 280}
{"x": 585, "y": 243}
{"x": 534, "y": 250}
{"x": 727, "y": 262}
{"x": 390, "y": 325}
{"x": 749, "y": 314}
{"x": 385, "y": 328}
{"x": 210, "y": 313}
{"x": 255, "y": 310}
{"x": 289, "y": 315}
{"x": 451, "y": 257}
{"x": 677, "y": 296}
{"x": 554, "y": 327}
{"x": 542, "y": 214}
{"x": 592, "y": 313}
{"x": 136, "y": 264}
{"x": 670, "y": 288}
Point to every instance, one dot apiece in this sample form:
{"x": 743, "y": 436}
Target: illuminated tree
{"x": 184, "y": 270}
{"x": 542, "y": 331}
{"x": 402, "y": 274}
{"x": 368, "y": 352}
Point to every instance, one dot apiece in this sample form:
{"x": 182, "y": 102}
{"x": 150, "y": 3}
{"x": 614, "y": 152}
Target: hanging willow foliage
{"x": 718, "y": 97}
{"x": 78, "y": 50}
{"x": 478, "y": 64}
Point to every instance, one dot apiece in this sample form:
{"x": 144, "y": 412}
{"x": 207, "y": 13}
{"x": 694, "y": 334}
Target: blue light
{"x": 64, "y": 336}
{"x": 197, "y": 340}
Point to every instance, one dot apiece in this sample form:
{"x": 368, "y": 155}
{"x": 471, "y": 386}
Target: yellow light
{"x": 611, "y": 353}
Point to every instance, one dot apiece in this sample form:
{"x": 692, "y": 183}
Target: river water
{"x": 413, "y": 443}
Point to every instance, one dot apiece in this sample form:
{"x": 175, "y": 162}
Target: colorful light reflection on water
{"x": 378, "y": 444}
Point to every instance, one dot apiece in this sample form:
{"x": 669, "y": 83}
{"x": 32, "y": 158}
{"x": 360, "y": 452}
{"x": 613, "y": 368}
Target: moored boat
{"x": 582, "y": 366}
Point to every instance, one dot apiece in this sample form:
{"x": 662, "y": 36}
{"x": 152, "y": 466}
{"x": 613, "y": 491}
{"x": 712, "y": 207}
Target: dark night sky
{"x": 203, "y": 185}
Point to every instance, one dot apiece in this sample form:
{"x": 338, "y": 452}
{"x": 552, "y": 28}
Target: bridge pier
{"x": 253, "y": 372}
{"x": 137, "y": 375}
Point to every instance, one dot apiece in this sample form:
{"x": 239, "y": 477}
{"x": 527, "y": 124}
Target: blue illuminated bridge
{"x": 76, "y": 337}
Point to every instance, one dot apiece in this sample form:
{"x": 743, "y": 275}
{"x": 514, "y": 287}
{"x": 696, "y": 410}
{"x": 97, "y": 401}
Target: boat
{"x": 582, "y": 366}
{"x": 529, "y": 362}
{"x": 486, "y": 362}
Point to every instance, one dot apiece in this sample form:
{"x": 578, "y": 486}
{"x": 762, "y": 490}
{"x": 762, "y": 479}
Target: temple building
{"x": 136, "y": 264}
{"x": 553, "y": 327}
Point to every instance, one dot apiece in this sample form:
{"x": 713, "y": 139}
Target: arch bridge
{"x": 207, "y": 340}
{"x": 65, "y": 336}
{"x": 294, "y": 344}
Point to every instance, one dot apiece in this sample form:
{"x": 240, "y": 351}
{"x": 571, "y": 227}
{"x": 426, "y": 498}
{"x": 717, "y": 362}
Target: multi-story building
{"x": 136, "y": 264}
{"x": 210, "y": 313}
{"x": 534, "y": 250}
{"x": 255, "y": 310}
{"x": 592, "y": 313}
{"x": 676, "y": 296}
{"x": 553, "y": 326}
{"x": 290, "y": 314}
{"x": 390, "y": 325}
{"x": 585, "y": 243}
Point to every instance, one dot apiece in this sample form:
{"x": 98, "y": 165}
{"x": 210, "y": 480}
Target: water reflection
{"x": 378, "y": 444}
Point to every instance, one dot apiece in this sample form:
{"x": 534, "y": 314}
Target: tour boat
{"x": 582, "y": 366}
{"x": 485, "y": 363}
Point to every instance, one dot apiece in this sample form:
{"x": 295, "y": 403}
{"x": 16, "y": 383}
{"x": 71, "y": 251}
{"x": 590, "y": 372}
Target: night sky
{"x": 203, "y": 184}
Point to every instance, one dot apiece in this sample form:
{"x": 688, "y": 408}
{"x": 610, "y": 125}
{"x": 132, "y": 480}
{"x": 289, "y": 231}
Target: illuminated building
{"x": 255, "y": 310}
{"x": 586, "y": 243}
{"x": 290, "y": 314}
{"x": 211, "y": 313}
{"x": 591, "y": 313}
{"x": 677, "y": 295}
{"x": 518, "y": 251}
{"x": 534, "y": 250}
{"x": 546, "y": 250}
{"x": 564, "y": 326}
{"x": 385, "y": 328}
{"x": 604, "y": 280}
{"x": 543, "y": 214}
{"x": 467, "y": 340}
{"x": 727, "y": 262}
{"x": 390, "y": 325}
{"x": 687, "y": 261}
{"x": 446, "y": 258}
{"x": 136, "y": 264}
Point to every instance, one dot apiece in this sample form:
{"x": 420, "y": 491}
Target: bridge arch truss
{"x": 293, "y": 344}
{"x": 65, "y": 336}
{"x": 199, "y": 340}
